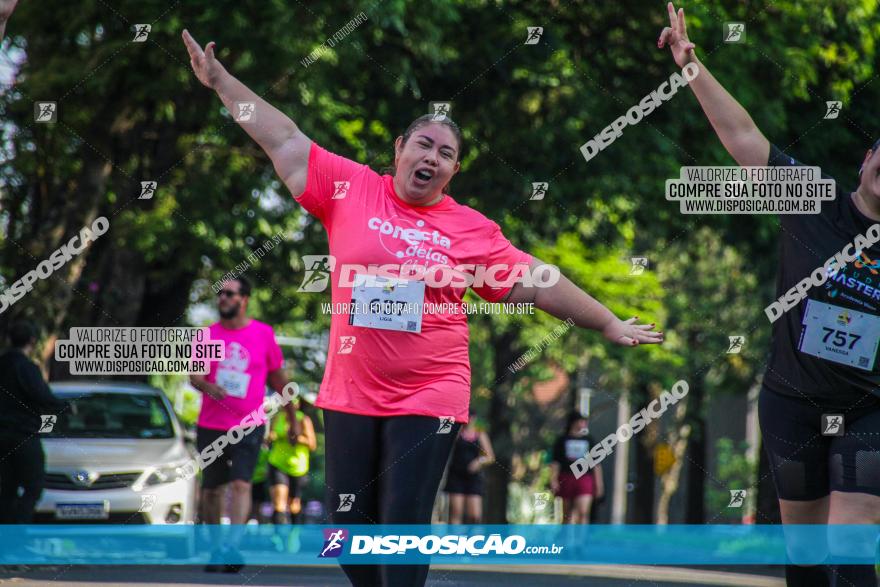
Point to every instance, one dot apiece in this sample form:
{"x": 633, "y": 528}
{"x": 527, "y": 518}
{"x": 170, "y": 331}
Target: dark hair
{"x": 573, "y": 416}
{"x": 244, "y": 285}
{"x": 873, "y": 150}
{"x": 22, "y": 333}
{"x": 419, "y": 123}
{"x": 429, "y": 118}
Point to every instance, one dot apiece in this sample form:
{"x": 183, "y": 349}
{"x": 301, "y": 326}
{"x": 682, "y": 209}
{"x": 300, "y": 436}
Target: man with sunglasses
{"x": 232, "y": 389}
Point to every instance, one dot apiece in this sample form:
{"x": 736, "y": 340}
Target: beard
{"x": 230, "y": 312}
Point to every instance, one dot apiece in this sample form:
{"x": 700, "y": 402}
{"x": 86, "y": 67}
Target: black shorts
{"x": 294, "y": 484}
{"x": 237, "y": 461}
{"x": 464, "y": 483}
{"x": 808, "y": 465}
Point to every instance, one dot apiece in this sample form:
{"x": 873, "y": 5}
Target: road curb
{"x": 650, "y": 573}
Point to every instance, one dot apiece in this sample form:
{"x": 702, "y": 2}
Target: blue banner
{"x": 460, "y": 544}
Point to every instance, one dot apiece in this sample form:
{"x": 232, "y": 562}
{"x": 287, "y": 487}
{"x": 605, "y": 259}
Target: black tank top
{"x": 463, "y": 453}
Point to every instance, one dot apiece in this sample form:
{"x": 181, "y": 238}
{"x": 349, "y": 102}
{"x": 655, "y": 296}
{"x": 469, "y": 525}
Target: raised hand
{"x": 675, "y": 35}
{"x": 206, "y": 67}
{"x": 628, "y": 333}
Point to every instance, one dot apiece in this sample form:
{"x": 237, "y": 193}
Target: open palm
{"x": 630, "y": 333}
{"x": 206, "y": 67}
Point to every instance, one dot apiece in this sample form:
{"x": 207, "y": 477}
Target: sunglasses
{"x": 225, "y": 293}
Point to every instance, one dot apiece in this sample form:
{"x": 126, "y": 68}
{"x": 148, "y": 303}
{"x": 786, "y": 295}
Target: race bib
{"x": 387, "y": 303}
{"x": 844, "y": 336}
{"x": 234, "y": 382}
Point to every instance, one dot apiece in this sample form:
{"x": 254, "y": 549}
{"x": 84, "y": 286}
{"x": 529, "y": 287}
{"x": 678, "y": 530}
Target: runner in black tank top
{"x": 819, "y": 408}
{"x": 464, "y": 481}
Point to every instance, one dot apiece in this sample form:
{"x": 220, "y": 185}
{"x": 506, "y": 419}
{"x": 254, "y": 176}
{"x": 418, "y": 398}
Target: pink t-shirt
{"x": 251, "y": 354}
{"x": 390, "y": 372}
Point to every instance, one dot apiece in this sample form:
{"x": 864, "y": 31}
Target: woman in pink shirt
{"x": 396, "y": 387}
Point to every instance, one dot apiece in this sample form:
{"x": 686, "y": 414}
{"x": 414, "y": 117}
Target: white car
{"x": 115, "y": 456}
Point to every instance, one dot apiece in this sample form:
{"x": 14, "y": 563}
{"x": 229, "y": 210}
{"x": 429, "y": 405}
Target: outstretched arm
{"x": 565, "y": 300}
{"x": 275, "y": 132}
{"x": 733, "y": 125}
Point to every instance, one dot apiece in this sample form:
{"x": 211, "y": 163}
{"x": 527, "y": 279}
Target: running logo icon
{"x": 318, "y": 269}
{"x": 445, "y": 425}
{"x": 844, "y": 318}
{"x": 141, "y": 32}
{"x": 539, "y": 190}
{"x": 245, "y": 112}
{"x": 736, "y": 344}
{"x": 47, "y": 423}
{"x": 736, "y": 32}
{"x": 45, "y": 112}
{"x": 639, "y": 264}
{"x": 148, "y": 188}
{"x": 440, "y": 110}
{"x": 346, "y": 344}
{"x": 147, "y": 502}
{"x": 832, "y": 109}
{"x": 737, "y": 498}
{"x": 333, "y": 541}
{"x": 534, "y": 35}
{"x": 541, "y": 501}
{"x": 346, "y": 500}
{"x": 832, "y": 424}
{"x": 340, "y": 189}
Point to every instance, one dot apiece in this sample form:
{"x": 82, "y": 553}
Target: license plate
{"x": 82, "y": 511}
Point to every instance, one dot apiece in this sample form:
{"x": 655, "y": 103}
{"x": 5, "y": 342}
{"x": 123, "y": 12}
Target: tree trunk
{"x": 695, "y": 510}
{"x": 498, "y": 475}
{"x": 670, "y": 480}
{"x": 48, "y": 302}
{"x": 642, "y": 511}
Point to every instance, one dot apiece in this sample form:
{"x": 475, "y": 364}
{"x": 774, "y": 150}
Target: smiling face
{"x": 869, "y": 179}
{"x": 425, "y": 162}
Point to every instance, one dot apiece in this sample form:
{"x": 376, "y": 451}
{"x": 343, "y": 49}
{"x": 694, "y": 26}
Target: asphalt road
{"x": 441, "y": 576}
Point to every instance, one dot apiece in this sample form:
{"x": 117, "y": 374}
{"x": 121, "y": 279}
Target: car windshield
{"x": 112, "y": 415}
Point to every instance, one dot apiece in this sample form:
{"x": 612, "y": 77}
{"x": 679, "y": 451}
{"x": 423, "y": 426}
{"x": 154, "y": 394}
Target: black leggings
{"x": 392, "y": 466}
{"x": 21, "y": 465}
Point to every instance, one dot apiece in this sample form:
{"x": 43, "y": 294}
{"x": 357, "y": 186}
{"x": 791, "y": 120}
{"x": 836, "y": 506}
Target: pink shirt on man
{"x": 250, "y": 352}
{"x": 388, "y": 372}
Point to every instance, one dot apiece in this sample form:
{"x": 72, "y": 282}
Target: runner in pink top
{"x": 233, "y": 389}
{"x": 251, "y": 354}
{"x": 388, "y": 372}
{"x": 396, "y": 387}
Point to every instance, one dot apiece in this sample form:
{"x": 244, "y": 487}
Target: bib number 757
{"x": 840, "y": 335}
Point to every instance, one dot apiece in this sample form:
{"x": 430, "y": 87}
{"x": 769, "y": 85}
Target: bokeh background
{"x": 132, "y": 112}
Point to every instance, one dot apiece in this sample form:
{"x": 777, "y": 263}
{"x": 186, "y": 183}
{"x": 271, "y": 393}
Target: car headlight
{"x": 165, "y": 475}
